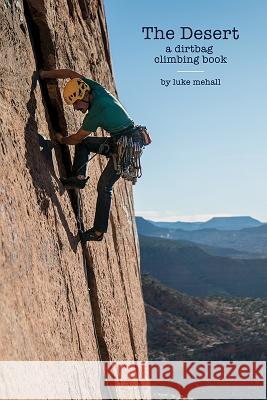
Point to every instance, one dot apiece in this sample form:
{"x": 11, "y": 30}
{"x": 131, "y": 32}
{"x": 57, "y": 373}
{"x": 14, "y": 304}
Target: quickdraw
{"x": 129, "y": 148}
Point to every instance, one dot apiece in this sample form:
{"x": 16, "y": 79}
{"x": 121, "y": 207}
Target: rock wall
{"x": 58, "y": 300}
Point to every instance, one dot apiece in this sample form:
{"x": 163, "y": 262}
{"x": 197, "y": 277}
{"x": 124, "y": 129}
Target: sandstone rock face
{"x": 59, "y": 301}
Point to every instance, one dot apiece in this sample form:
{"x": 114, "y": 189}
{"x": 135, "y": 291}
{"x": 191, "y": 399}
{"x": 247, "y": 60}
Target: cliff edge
{"x": 59, "y": 301}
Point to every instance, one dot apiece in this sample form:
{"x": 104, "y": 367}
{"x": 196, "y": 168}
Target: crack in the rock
{"x": 134, "y": 233}
{"x": 129, "y": 322}
{"x": 38, "y": 30}
{"x": 71, "y": 316}
{"x": 104, "y": 35}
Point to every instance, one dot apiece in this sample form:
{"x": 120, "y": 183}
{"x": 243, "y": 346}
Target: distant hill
{"x": 192, "y": 328}
{"x": 221, "y": 223}
{"x": 192, "y": 270}
{"x": 218, "y": 251}
{"x": 232, "y": 223}
{"x": 250, "y": 240}
{"x": 186, "y": 226}
{"x": 147, "y": 228}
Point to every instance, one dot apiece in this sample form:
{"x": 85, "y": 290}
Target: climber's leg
{"x": 79, "y": 169}
{"x": 106, "y": 181}
{"x": 82, "y": 154}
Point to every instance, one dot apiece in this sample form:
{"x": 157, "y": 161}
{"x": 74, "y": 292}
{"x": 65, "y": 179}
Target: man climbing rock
{"x": 105, "y": 111}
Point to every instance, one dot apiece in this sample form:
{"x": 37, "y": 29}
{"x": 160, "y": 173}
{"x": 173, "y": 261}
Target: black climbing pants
{"x": 106, "y": 181}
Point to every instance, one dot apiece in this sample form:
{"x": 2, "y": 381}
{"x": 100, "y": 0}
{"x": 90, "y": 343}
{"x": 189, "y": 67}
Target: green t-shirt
{"x": 105, "y": 112}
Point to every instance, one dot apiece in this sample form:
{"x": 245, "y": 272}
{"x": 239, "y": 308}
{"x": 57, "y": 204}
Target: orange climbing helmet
{"x": 75, "y": 90}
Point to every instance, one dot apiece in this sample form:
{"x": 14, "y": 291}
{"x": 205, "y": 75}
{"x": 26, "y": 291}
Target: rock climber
{"x": 105, "y": 111}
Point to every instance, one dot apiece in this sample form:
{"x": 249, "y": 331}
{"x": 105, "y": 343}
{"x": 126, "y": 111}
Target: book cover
{"x": 133, "y": 199}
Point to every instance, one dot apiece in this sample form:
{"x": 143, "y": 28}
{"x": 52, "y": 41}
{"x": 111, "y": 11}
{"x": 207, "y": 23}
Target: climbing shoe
{"x": 91, "y": 235}
{"x": 73, "y": 182}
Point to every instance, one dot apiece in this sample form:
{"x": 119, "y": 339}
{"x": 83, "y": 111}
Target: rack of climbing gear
{"x": 129, "y": 149}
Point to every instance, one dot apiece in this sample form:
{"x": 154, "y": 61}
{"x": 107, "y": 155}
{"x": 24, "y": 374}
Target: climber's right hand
{"x": 42, "y": 74}
{"x": 59, "y": 138}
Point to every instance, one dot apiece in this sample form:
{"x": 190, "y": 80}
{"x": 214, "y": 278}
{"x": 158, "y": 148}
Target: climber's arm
{"x": 72, "y": 139}
{"x": 59, "y": 74}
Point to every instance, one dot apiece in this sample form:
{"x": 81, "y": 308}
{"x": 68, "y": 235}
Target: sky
{"x": 208, "y": 155}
